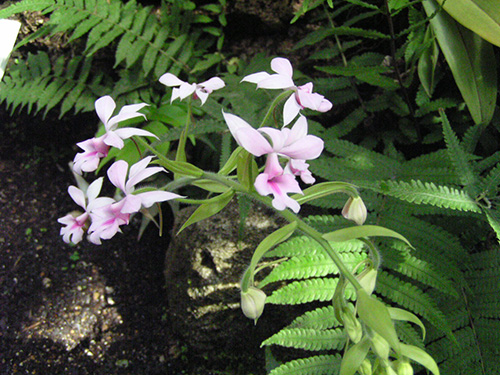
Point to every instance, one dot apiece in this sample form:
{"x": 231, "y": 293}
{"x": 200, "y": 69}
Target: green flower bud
{"x": 351, "y": 324}
{"x": 365, "y": 368}
{"x": 367, "y": 279}
{"x": 405, "y": 368}
{"x": 380, "y": 346}
{"x": 252, "y": 303}
{"x": 355, "y": 210}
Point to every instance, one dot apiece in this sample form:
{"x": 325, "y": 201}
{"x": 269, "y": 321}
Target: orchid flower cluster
{"x": 103, "y": 216}
{"x": 286, "y": 150}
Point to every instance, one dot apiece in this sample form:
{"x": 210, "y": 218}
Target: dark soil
{"x": 81, "y": 309}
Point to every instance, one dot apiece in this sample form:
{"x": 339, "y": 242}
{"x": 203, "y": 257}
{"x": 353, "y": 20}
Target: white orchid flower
{"x": 183, "y": 89}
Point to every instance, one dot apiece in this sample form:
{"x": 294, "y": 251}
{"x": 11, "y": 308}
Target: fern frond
{"x": 361, "y": 156}
{"x": 308, "y": 339}
{"x": 320, "y": 318}
{"x": 303, "y": 267}
{"x": 302, "y": 245}
{"x": 419, "y": 192}
{"x": 457, "y": 155}
{"x": 305, "y": 291}
{"x": 423, "y": 272}
{"x": 317, "y": 365}
{"x": 410, "y": 297}
{"x": 38, "y": 82}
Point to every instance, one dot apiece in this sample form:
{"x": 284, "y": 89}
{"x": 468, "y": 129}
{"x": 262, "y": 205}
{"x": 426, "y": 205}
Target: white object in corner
{"x": 8, "y": 34}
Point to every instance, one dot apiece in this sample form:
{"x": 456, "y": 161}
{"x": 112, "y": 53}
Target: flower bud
{"x": 367, "y": 279}
{"x": 355, "y": 210}
{"x": 352, "y": 325}
{"x": 252, "y": 303}
{"x": 405, "y": 368}
{"x": 365, "y": 368}
{"x": 380, "y": 346}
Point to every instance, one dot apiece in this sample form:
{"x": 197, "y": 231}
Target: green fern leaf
{"x": 308, "y": 339}
{"x": 457, "y": 155}
{"x": 419, "y": 192}
{"x": 317, "y": 365}
{"x": 320, "y": 318}
{"x": 410, "y": 297}
{"x": 309, "y": 265}
{"x": 305, "y": 291}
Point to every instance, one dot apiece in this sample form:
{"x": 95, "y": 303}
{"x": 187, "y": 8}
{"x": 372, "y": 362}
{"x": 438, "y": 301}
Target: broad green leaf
{"x": 471, "y": 60}
{"x": 376, "y": 315}
{"x": 400, "y": 314}
{"x": 361, "y": 231}
{"x": 427, "y": 62}
{"x": 481, "y": 16}
{"x": 208, "y": 209}
{"x": 354, "y": 357}
{"x": 181, "y": 167}
{"x": 323, "y": 189}
{"x": 267, "y": 243}
{"x": 209, "y": 185}
{"x": 420, "y": 356}
{"x": 231, "y": 162}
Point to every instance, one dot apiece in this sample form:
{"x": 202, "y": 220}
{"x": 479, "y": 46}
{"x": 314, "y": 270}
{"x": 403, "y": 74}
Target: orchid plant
{"x": 287, "y": 147}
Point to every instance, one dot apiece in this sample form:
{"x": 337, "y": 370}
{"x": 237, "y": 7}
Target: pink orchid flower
{"x": 292, "y": 143}
{"x": 184, "y": 89}
{"x": 106, "y": 221}
{"x": 274, "y": 181}
{"x": 74, "y": 223}
{"x": 97, "y": 148}
{"x": 300, "y": 168}
{"x": 303, "y": 96}
{"x": 117, "y": 174}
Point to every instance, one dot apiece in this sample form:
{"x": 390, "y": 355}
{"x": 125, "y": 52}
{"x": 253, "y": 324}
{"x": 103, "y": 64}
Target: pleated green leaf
{"x": 471, "y": 60}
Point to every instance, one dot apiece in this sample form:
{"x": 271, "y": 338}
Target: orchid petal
{"x": 298, "y": 130}
{"x": 273, "y": 167}
{"x": 94, "y": 189}
{"x": 282, "y": 66}
{"x": 117, "y": 174}
{"x": 310, "y": 100}
{"x": 309, "y": 147}
{"x": 78, "y": 196}
{"x": 255, "y": 77}
{"x": 99, "y": 202}
{"x": 132, "y": 204}
{"x": 127, "y": 112}
{"x": 142, "y": 175}
{"x": 261, "y": 184}
{"x": 276, "y": 81}
{"x": 168, "y": 79}
{"x": 151, "y": 197}
{"x": 290, "y": 110}
{"x": 111, "y": 138}
{"x": 175, "y": 94}
{"x": 186, "y": 89}
{"x": 277, "y": 137}
{"x": 214, "y": 83}
{"x": 85, "y": 162}
{"x": 140, "y": 166}
{"x": 325, "y": 106}
{"x": 246, "y": 136}
{"x": 125, "y": 133}
{"x": 104, "y": 107}
{"x": 203, "y": 95}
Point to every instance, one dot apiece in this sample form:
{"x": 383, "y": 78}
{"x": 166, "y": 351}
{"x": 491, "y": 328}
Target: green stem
{"x": 288, "y": 215}
{"x": 291, "y": 217}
